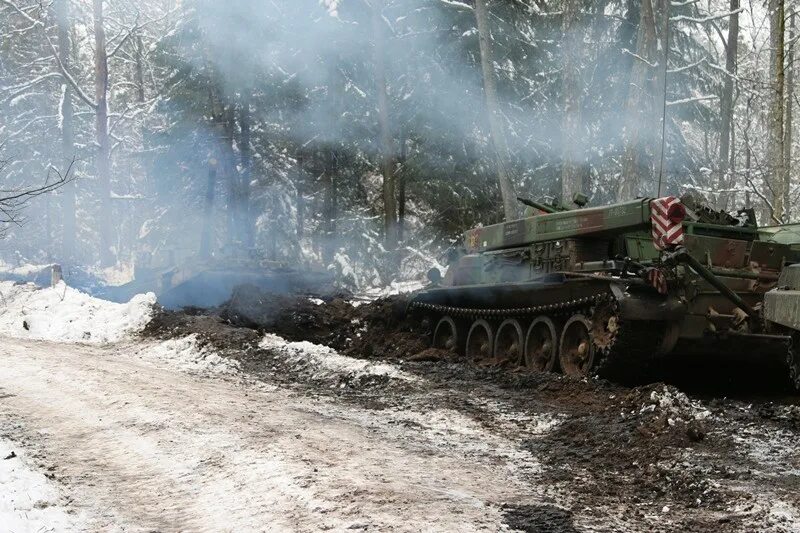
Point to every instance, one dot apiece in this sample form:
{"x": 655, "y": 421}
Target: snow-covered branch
{"x": 640, "y": 58}
{"x": 687, "y": 67}
{"x": 693, "y": 99}
{"x": 68, "y": 77}
{"x": 694, "y": 20}
{"x": 456, "y": 3}
{"x": 20, "y": 12}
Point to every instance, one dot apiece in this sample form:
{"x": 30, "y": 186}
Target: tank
{"x": 602, "y": 290}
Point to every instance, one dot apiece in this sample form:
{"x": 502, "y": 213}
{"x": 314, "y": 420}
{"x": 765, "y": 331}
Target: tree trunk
{"x": 637, "y": 157}
{"x": 67, "y": 132}
{"x": 776, "y": 115}
{"x": 103, "y": 158}
{"x": 658, "y": 141}
{"x": 787, "y": 143}
{"x": 139, "y": 68}
{"x": 493, "y": 109}
{"x": 401, "y": 194}
{"x": 329, "y": 207}
{"x": 246, "y": 157}
{"x": 231, "y": 174}
{"x": 208, "y": 210}
{"x": 572, "y": 171}
{"x": 726, "y": 105}
{"x": 301, "y": 200}
{"x": 387, "y": 152}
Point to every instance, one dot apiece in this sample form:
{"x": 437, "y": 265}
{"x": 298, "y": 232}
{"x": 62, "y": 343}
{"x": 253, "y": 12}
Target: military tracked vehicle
{"x": 599, "y": 290}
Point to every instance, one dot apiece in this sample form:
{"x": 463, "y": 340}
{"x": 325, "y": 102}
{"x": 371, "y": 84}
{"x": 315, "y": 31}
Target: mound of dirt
{"x": 374, "y": 329}
{"x": 210, "y": 329}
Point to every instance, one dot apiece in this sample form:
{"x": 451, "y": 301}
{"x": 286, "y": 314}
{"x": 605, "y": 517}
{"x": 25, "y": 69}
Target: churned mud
{"x": 602, "y": 457}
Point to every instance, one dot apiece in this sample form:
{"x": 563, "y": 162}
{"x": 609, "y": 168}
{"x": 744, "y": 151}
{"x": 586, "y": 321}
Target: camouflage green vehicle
{"x": 602, "y": 289}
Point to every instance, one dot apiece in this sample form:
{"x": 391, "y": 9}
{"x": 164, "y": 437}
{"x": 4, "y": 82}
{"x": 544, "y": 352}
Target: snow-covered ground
{"x": 143, "y": 447}
{"x": 172, "y": 434}
{"x": 64, "y": 314}
{"x": 29, "y": 501}
{"x": 185, "y": 353}
{"x": 321, "y": 362}
{"x": 24, "y": 270}
{"x": 396, "y": 287}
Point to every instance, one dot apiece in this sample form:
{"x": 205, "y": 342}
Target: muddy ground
{"x": 713, "y": 450}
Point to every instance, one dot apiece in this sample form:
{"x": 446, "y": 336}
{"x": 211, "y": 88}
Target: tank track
{"x": 634, "y": 344}
{"x": 793, "y": 361}
{"x": 475, "y": 313}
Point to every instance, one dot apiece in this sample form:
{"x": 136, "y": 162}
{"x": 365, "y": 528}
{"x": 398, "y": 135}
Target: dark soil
{"x": 374, "y": 329}
{"x": 539, "y": 519}
{"x": 632, "y": 453}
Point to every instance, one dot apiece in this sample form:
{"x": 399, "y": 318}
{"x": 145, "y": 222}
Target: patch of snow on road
{"x": 511, "y": 419}
{"x": 323, "y": 362}
{"x": 28, "y": 500}
{"x": 64, "y": 314}
{"x": 186, "y": 353}
{"x": 448, "y": 429}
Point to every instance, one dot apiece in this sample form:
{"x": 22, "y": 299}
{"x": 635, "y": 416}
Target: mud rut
{"x": 457, "y": 447}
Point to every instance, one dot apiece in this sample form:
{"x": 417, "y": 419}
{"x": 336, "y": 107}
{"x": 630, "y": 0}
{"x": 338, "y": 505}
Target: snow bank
{"x": 322, "y": 362}
{"x": 68, "y": 315}
{"x": 186, "y": 354}
{"x": 28, "y": 500}
{"x": 23, "y": 271}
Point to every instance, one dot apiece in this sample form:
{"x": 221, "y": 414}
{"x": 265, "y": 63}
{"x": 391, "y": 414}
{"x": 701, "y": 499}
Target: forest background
{"x": 363, "y": 136}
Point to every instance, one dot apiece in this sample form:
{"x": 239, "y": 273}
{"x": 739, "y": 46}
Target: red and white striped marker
{"x": 666, "y": 217}
{"x": 658, "y": 280}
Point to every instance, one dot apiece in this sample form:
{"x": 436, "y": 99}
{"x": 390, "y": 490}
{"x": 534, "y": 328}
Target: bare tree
{"x": 635, "y": 162}
{"x": 788, "y": 137}
{"x": 495, "y": 120}
{"x": 572, "y": 151}
{"x": 779, "y": 183}
{"x": 103, "y": 157}
{"x": 14, "y": 200}
{"x": 386, "y": 144}
{"x": 67, "y": 128}
{"x": 726, "y": 102}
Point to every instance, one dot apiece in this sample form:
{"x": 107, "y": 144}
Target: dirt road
{"x": 300, "y": 438}
{"x": 139, "y": 447}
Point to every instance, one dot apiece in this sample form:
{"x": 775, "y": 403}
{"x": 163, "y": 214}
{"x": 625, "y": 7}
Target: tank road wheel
{"x": 479, "y": 341}
{"x": 445, "y": 336}
{"x": 509, "y": 342}
{"x": 541, "y": 345}
{"x": 576, "y": 350}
